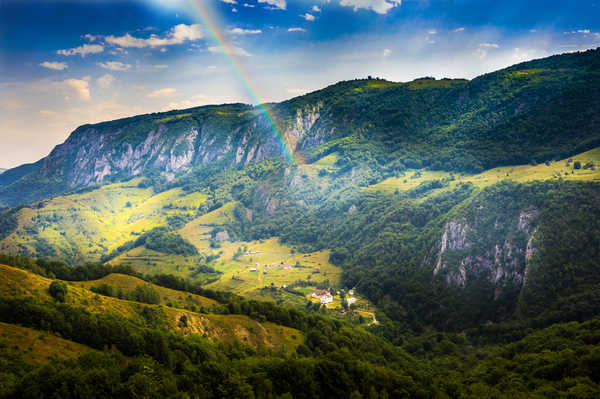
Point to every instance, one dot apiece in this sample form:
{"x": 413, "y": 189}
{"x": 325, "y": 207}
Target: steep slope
{"x": 513, "y": 116}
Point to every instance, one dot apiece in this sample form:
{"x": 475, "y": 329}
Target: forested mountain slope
{"x": 513, "y": 116}
{"x": 436, "y": 238}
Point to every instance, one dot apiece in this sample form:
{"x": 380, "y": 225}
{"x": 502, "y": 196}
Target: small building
{"x": 317, "y": 268}
{"x": 253, "y": 269}
{"x": 286, "y": 266}
{"x": 323, "y": 296}
{"x": 350, "y": 300}
{"x": 327, "y": 298}
{"x": 351, "y": 292}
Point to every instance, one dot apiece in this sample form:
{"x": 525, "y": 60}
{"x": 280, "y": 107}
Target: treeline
{"x": 559, "y": 361}
{"x": 160, "y": 239}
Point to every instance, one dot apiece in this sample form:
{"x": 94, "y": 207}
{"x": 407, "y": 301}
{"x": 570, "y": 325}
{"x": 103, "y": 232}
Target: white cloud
{"x": 177, "y": 35}
{"x": 316, "y": 8}
{"x": 57, "y": 66}
{"x": 387, "y": 52}
{"x": 105, "y": 81}
{"x": 82, "y": 50}
{"x": 114, "y": 65}
{"x": 296, "y": 29}
{"x": 482, "y": 50}
{"x": 308, "y": 17}
{"x": 432, "y": 32}
{"x": 275, "y": 4}
{"x": 229, "y": 1}
{"x": 166, "y": 92}
{"x": 160, "y": 66}
{"x": 248, "y": 5}
{"x": 461, "y": 29}
{"x": 79, "y": 86}
{"x": 240, "y": 31}
{"x": 232, "y": 50}
{"x": 379, "y": 6}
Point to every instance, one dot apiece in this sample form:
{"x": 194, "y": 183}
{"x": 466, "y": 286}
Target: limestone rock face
{"x": 487, "y": 248}
{"x": 174, "y": 143}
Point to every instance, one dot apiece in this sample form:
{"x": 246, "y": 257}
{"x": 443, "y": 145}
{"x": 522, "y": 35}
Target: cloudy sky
{"x": 64, "y": 63}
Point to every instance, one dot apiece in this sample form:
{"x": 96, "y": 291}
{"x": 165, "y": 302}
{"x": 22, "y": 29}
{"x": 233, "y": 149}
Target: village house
{"x": 350, "y": 300}
{"x": 323, "y": 296}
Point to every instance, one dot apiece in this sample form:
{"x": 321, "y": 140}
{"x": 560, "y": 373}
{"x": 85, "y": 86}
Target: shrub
{"x": 58, "y": 290}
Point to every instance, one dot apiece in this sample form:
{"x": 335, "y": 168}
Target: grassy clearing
{"x": 35, "y": 346}
{"x": 174, "y": 298}
{"x": 271, "y": 256}
{"x": 83, "y": 227}
{"x": 223, "y": 328}
{"x": 147, "y": 261}
{"x": 519, "y": 173}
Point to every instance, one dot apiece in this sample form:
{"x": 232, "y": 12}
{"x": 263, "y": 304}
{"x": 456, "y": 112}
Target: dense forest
{"x": 336, "y": 359}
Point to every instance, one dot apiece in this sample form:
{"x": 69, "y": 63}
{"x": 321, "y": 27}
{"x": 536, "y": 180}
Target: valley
{"x": 432, "y": 238}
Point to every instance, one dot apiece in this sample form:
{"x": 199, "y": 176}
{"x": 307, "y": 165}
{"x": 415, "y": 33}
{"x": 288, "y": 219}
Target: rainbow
{"x": 209, "y": 21}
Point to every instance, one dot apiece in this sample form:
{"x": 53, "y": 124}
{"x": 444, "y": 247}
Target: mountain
{"x": 436, "y": 238}
{"x": 513, "y": 116}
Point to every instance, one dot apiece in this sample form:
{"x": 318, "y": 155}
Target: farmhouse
{"x": 253, "y": 269}
{"x": 350, "y": 300}
{"x": 323, "y": 296}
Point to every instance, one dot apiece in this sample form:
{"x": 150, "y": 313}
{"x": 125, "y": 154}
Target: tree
{"x": 58, "y": 290}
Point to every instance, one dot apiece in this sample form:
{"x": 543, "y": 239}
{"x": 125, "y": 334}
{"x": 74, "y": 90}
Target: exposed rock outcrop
{"x": 494, "y": 252}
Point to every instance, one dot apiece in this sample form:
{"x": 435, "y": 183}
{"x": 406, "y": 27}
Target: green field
{"x": 84, "y": 227}
{"x": 518, "y": 173}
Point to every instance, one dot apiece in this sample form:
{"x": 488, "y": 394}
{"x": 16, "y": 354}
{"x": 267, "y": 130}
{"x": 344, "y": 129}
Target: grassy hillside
{"x": 589, "y": 170}
{"x": 84, "y": 227}
{"x": 225, "y": 328}
{"x": 33, "y": 346}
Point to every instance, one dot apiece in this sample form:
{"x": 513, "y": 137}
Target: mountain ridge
{"x": 441, "y": 124}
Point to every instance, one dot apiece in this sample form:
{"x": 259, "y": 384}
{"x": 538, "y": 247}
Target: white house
{"x": 323, "y": 296}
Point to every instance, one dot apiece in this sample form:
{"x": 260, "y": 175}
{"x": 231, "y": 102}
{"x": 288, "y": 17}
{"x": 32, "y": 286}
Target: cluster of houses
{"x": 326, "y": 297}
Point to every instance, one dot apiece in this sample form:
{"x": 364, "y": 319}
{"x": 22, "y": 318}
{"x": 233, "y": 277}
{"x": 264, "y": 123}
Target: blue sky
{"x": 64, "y": 63}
